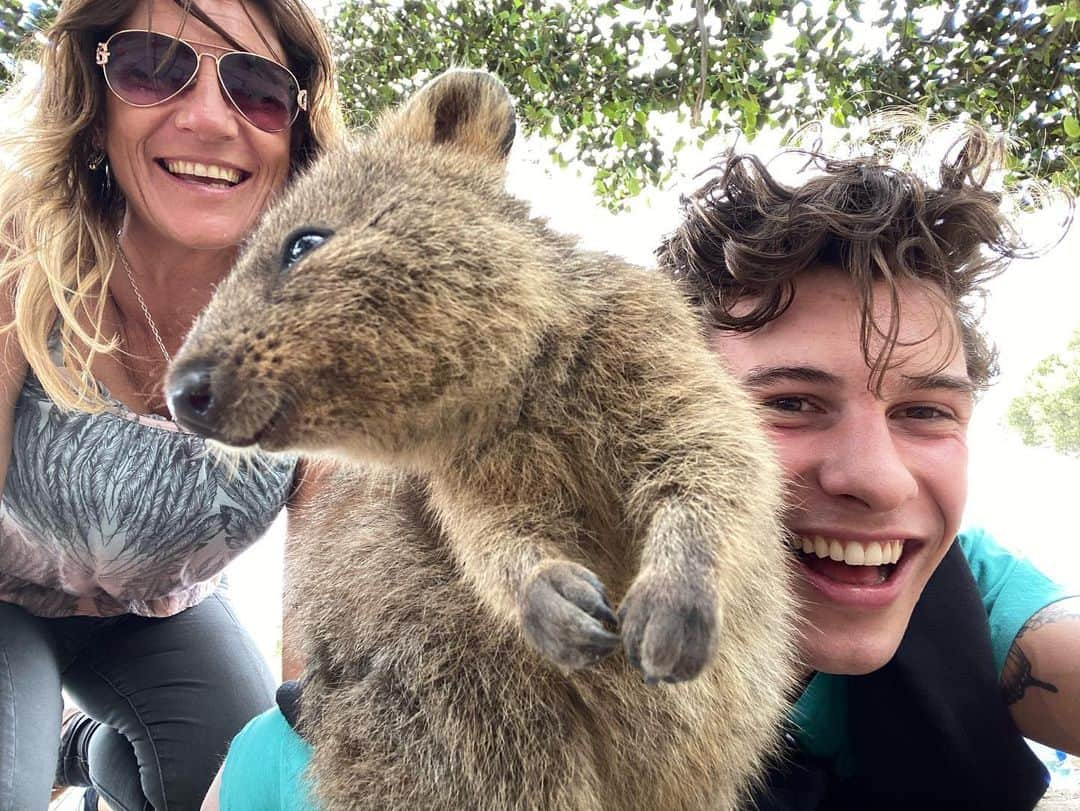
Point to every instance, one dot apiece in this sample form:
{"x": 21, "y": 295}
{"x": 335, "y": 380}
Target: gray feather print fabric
{"x": 118, "y": 513}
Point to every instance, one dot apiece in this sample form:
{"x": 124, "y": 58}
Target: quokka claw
{"x": 669, "y": 635}
{"x": 566, "y": 616}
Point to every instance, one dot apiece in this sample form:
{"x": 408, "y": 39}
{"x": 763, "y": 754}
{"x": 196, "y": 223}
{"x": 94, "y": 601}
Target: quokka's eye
{"x": 300, "y": 242}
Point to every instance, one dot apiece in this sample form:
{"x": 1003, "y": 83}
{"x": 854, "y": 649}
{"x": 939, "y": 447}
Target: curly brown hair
{"x": 745, "y": 236}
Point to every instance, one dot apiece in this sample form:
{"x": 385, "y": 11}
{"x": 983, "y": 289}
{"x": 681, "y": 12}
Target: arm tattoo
{"x": 1016, "y": 676}
{"x": 1055, "y": 612}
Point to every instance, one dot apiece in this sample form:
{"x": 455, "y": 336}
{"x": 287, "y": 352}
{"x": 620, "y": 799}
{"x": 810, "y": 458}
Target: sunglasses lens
{"x": 263, "y": 91}
{"x": 146, "y": 68}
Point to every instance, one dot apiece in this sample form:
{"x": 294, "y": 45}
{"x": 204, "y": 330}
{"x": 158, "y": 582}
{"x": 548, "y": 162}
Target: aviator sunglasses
{"x": 145, "y": 68}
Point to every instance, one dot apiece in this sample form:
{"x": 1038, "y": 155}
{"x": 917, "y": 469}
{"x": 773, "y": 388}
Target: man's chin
{"x": 846, "y": 639}
{"x": 853, "y": 661}
{"x": 844, "y": 650}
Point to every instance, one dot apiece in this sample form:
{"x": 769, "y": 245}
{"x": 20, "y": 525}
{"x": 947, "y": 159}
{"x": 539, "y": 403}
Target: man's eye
{"x": 925, "y": 412}
{"x": 789, "y": 404}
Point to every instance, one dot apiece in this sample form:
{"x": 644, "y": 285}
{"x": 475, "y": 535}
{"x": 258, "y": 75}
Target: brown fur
{"x": 516, "y": 418}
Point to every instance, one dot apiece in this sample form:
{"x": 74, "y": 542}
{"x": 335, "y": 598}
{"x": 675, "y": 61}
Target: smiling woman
{"x": 156, "y": 136}
{"x": 171, "y": 150}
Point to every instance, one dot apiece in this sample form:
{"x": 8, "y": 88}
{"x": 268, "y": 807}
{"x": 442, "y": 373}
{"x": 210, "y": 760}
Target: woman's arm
{"x": 13, "y": 368}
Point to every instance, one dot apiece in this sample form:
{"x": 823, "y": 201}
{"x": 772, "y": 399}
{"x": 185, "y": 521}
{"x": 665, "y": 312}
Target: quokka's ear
{"x": 466, "y": 109}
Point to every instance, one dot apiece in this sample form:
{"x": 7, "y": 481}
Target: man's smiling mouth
{"x": 854, "y": 563}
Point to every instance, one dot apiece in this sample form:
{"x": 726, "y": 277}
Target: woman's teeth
{"x": 201, "y": 171}
{"x": 853, "y": 553}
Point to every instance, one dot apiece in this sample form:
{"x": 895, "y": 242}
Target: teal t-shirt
{"x": 264, "y": 770}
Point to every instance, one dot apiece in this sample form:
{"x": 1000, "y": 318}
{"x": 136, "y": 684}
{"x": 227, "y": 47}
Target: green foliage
{"x": 606, "y": 78}
{"x": 18, "y": 21}
{"x": 595, "y": 75}
{"x": 569, "y": 67}
{"x": 1048, "y": 413}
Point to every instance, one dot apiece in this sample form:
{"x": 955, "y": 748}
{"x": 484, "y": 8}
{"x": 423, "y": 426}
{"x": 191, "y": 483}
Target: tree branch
{"x": 703, "y": 31}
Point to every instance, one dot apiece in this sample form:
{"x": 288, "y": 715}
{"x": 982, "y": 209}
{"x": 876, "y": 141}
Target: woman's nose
{"x": 203, "y": 108}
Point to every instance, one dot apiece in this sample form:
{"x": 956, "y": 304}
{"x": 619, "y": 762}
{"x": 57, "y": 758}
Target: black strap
{"x": 288, "y": 701}
{"x": 936, "y": 710}
{"x": 798, "y": 782}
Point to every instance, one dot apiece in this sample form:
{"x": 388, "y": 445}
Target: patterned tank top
{"x": 123, "y": 513}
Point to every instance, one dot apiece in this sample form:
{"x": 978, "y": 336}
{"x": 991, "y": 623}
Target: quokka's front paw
{"x": 566, "y": 615}
{"x": 669, "y": 628}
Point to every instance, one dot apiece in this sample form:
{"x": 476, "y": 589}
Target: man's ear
{"x": 466, "y": 109}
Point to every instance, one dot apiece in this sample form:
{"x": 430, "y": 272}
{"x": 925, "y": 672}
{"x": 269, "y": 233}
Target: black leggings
{"x": 169, "y": 694}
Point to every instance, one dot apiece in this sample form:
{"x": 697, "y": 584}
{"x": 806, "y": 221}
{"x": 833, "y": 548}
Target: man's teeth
{"x": 853, "y": 553}
{"x": 194, "y": 169}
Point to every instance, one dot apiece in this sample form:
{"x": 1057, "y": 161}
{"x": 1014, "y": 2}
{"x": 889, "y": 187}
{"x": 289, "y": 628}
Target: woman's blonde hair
{"x": 59, "y": 216}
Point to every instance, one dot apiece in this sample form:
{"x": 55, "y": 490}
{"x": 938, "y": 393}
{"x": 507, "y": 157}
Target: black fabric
{"x": 929, "y": 730}
{"x": 73, "y": 765}
{"x": 166, "y": 696}
{"x": 798, "y": 783}
{"x": 90, "y": 799}
{"x": 288, "y": 701}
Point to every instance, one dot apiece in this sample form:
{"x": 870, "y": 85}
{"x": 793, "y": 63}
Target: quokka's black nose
{"x": 190, "y": 395}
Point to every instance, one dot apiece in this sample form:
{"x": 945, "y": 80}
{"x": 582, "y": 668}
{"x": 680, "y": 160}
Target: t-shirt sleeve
{"x": 264, "y": 770}
{"x": 1012, "y": 589}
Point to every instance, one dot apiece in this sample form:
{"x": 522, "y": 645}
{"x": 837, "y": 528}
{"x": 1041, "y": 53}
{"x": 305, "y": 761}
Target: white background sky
{"x": 1026, "y": 496}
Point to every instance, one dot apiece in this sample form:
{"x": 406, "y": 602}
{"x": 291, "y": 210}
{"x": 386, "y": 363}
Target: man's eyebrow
{"x": 940, "y": 381}
{"x": 762, "y": 376}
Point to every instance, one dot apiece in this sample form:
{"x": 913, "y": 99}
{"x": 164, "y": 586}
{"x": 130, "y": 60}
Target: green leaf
{"x": 672, "y": 44}
{"x": 534, "y": 80}
{"x": 1072, "y": 127}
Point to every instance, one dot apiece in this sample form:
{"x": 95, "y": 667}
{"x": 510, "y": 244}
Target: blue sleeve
{"x": 1012, "y": 589}
{"x": 264, "y": 770}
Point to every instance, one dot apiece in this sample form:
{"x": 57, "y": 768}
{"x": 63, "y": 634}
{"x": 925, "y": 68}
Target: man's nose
{"x": 862, "y": 461}
{"x": 203, "y": 109}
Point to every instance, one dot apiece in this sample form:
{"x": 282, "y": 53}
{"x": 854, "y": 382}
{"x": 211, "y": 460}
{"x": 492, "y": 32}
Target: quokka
{"x": 547, "y": 571}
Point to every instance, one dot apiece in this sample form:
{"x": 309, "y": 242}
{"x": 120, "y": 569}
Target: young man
{"x": 842, "y": 305}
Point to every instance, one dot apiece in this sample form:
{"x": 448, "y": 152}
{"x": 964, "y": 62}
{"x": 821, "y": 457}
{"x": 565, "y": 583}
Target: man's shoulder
{"x": 1003, "y": 572}
{"x": 980, "y": 545}
{"x": 1012, "y": 588}
{"x": 264, "y": 767}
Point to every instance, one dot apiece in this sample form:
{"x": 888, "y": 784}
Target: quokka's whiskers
{"x": 223, "y": 456}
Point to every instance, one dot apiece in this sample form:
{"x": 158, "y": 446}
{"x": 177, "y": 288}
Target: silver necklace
{"x": 145, "y": 309}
